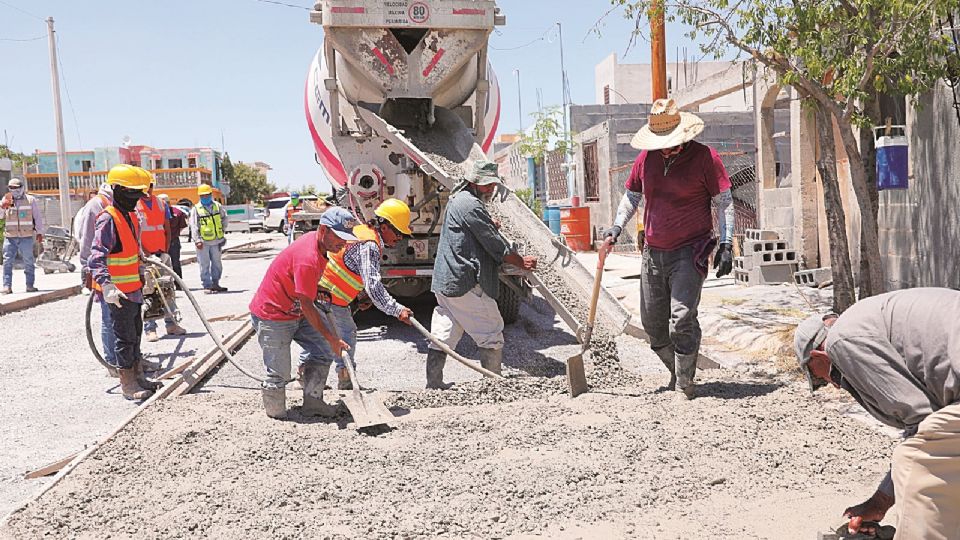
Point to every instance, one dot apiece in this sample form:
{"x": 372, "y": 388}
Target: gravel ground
{"x": 643, "y": 464}
{"x": 55, "y": 399}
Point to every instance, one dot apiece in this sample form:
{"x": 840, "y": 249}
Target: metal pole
{"x": 571, "y": 184}
{"x": 519, "y": 101}
{"x": 658, "y": 50}
{"x": 65, "y": 213}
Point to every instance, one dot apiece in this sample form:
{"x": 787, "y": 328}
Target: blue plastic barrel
{"x": 892, "y": 156}
{"x": 553, "y": 219}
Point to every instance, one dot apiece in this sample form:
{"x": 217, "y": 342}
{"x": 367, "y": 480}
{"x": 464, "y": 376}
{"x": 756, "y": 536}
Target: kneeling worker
{"x": 466, "y": 274}
{"x": 356, "y": 267}
{"x": 283, "y": 312}
{"x": 898, "y": 354}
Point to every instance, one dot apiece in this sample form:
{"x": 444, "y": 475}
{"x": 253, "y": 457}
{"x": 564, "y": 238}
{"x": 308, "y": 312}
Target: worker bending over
{"x": 283, "y": 311}
{"x": 116, "y": 271}
{"x": 898, "y": 355}
{"x": 208, "y": 220}
{"x": 466, "y": 274}
{"x": 678, "y": 178}
{"x": 357, "y": 267}
{"x": 155, "y": 237}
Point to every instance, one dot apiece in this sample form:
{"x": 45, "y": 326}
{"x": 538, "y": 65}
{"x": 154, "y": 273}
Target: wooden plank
{"x": 201, "y": 368}
{"x": 51, "y": 468}
{"x": 36, "y": 300}
{"x": 174, "y": 371}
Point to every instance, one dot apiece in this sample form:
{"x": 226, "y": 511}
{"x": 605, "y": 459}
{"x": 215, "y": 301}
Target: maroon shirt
{"x": 677, "y": 206}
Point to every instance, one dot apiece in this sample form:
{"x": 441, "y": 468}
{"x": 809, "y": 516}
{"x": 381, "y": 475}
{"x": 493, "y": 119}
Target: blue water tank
{"x": 892, "y": 162}
{"x": 553, "y": 219}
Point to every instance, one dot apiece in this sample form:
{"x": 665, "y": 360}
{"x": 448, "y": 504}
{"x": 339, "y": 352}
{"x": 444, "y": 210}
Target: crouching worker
{"x": 115, "y": 268}
{"x": 283, "y": 312}
{"x": 357, "y": 267}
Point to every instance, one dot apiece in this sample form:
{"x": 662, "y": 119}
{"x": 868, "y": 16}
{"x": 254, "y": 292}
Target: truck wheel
{"x": 283, "y": 228}
{"x": 509, "y": 303}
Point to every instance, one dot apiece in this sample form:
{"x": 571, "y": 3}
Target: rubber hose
{"x": 90, "y": 340}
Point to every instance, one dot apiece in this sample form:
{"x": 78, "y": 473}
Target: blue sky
{"x": 181, "y": 72}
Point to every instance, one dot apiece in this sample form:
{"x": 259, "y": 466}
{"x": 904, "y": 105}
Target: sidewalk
{"x": 740, "y": 324}
{"x": 58, "y": 286}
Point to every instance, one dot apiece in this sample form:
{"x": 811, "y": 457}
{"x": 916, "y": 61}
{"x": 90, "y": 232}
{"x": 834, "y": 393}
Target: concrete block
{"x": 813, "y": 277}
{"x": 741, "y": 277}
{"x": 755, "y": 246}
{"x": 743, "y": 263}
{"x": 760, "y": 234}
{"x": 772, "y": 274}
{"x": 778, "y": 256}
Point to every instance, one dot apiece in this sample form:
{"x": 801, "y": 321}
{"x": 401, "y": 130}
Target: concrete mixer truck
{"x": 400, "y": 99}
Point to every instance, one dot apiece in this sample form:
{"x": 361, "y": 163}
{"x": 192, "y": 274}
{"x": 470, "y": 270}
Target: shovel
{"x": 366, "y": 407}
{"x": 576, "y": 377}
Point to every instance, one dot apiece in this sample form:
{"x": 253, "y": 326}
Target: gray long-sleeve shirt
{"x": 194, "y": 223}
{"x": 899, "y": 355}
{"x": 471, "y": 249}
{"x": 84, "y": 224}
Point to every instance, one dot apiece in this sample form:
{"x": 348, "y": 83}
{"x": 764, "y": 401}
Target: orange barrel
{"x": 575, "y": 227}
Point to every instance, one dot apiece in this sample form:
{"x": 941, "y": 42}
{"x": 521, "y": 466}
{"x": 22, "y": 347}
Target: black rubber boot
{"x": 491, "y": 359}
{"x": 275, "y": 402}
{"x": 313, "y": 377}
{"x": 686, "y": 371}
{"x": 667, "y": 356}
{"x": 435, "y": 362}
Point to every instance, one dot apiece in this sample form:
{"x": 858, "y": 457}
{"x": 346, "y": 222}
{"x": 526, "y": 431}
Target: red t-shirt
{"x": 677, "y": 205}
{"x": 294, "y": 273}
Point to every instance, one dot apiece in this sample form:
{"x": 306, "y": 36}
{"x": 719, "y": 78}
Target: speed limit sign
{"x": 419, "y": 12}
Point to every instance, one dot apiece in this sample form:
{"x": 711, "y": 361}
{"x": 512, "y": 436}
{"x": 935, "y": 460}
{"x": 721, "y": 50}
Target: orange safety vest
{"x": 343, "y": 284}
{"x": 124, "y": 266}
{"x": 152, "y": 236}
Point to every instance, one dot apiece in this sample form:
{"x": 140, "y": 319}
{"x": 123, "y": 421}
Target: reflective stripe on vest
{"x": 20, "y": 222}
{"x": 124, "y": 265}
{"x": 152, "y": 236}
{"x": 209, "y": 222}
{"x": 343, "y": 284}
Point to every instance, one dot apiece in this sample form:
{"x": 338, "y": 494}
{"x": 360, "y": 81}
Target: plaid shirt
{"x": 363, "y": 259}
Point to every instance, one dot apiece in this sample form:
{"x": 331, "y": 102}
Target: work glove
{"x": 86, "y": 278}
{"x": 112, "y": 295}
{"x": 613, "y": 232}
{"x": 723, "y": 260}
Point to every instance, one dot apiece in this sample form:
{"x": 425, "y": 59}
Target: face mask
{"x": 206, "y": 200}
{"x": 17, "y": 192}
{"x": 126, "y": 199}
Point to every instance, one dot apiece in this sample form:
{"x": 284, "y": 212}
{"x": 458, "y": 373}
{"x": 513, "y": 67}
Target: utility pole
{"x": 519, "y": 100}
{"x": 571, "y": 183}
{"x": 658, "y": 50}
{"x": 63, "y": 177}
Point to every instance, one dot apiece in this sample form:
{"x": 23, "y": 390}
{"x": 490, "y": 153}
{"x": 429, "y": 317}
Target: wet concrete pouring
{"x": 749, "y": 458}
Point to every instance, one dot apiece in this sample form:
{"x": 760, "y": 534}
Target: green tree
{"x": 533, "y": 203}
{"x": 546, "y": 135}
{"x": 248, "y": 185}
{"x": 838, "y": 55}
{"x": 20, "y": 161}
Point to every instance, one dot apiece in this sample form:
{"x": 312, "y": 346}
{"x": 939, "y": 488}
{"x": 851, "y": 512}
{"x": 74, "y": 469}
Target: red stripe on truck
{"x": 469, "y": 11}
{"x": 348, "y": 10}
{"x": 433, "y": 62}
{"x": 383, "y": 59}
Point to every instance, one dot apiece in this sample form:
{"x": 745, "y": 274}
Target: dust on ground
{"x": 748, "y": 459}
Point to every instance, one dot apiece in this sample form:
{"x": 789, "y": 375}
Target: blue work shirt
{"x": 104, "y": 243}
{"x": 471, "y": 249}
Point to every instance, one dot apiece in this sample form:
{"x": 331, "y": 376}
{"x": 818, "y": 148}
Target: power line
{"x": 284, "y": 4}
{"x": 63, "y": 75}
{"x": 22, "y": 40}
{"x": 39, "y": 18}
{"x": 525, "y": 45}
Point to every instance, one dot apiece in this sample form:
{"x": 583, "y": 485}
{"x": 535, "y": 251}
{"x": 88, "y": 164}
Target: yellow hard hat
{"x": 204, "y": 189}
{"x": 128, "y": 176}
{"x": 397, "y": 213}
{"x": 150, "y": 178}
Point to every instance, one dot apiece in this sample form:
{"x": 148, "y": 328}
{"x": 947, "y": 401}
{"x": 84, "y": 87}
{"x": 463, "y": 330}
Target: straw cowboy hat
{"x": 667, "y": 126}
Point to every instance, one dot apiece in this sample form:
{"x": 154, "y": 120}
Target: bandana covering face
{"x": 126, "y": 199}
{"x": 206, "y": 200}
{"x": 17, "y": 192}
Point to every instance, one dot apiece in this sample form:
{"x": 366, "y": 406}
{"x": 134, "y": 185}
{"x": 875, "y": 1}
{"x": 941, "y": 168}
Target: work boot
{"x": 343, "y": 379}
{"x": 218, "y": 288}
{"x": 142, "y": 380}
{"x": 491, "y": 359}
{"x": 174, "y": 329}
{"x": 666, "y": 356}
{"x": 6, "y": 290}
{"x": 151, "y": 335}
{"x": 435, "y": 362}
{"x": 686, "y": 371}
{"x": 275, "y": 402}
{"x": 129, "y": 386}
{"x": 312, "y": 378}
{"x": 32, "y": 289}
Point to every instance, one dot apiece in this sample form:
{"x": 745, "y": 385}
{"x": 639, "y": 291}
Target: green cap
{"x": 484, "y": 172}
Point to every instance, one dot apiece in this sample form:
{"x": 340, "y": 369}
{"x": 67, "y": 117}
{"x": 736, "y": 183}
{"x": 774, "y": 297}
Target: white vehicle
{"x": 389, "y": 84}
{"x": 276, "y": 213}
{"x": 256, "y": 222}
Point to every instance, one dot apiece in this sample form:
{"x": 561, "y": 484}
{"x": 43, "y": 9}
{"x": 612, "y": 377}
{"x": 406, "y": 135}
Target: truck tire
{"x": 508, "y": 302}
{"x": 283, "y": 228}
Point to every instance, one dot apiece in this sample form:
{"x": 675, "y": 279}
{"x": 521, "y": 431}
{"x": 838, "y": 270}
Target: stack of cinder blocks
{"x": 813, "y": 278}
{"x": 766, "y": 259}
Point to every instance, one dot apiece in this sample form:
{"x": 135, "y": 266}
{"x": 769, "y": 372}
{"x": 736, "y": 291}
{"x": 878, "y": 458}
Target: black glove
{"x": 723, "y": 260}
{"x": 613, "y": 232}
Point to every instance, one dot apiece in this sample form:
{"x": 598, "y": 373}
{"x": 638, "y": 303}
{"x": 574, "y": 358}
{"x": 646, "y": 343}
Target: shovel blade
{"x": 367, "y": 409}
{"x": 576, "y": 377}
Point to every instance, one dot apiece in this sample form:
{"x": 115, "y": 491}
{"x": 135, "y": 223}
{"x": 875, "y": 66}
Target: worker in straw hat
{"x": 678, "y": 179}
{"x": 898, "y": 355}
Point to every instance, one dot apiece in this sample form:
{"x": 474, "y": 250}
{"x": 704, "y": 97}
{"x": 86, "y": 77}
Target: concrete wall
{"x": 919, "y": 228}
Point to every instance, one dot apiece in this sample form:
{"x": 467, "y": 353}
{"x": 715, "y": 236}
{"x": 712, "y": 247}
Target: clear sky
{"x": 180, "y": 73}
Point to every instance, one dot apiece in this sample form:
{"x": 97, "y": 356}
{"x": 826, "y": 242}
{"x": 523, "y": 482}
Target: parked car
{"x": 256, "y": 222}
{"x": 276, "y": 218}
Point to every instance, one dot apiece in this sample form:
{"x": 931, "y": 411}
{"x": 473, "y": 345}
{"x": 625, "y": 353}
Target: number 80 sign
{"x": 419, "y": 12}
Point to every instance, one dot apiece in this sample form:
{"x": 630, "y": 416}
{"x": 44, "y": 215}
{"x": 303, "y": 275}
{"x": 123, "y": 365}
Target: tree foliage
{"x": 247, "y": 185}
{"x": 546, "y": 135}
{"x": 837, "y": 54}
{"x": 20, "y": 161}
{"x": 527, "y": 196}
